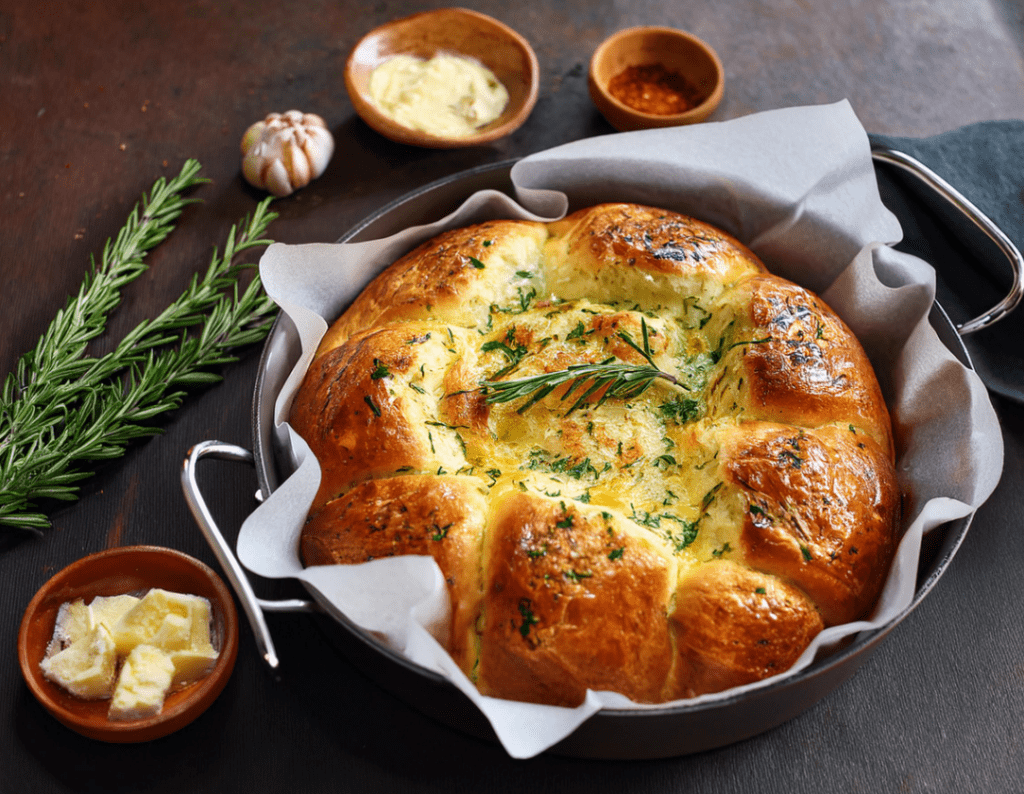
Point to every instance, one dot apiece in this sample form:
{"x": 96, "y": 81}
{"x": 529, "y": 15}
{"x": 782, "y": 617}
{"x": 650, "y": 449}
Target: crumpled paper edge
{"x": 876, "y": 273}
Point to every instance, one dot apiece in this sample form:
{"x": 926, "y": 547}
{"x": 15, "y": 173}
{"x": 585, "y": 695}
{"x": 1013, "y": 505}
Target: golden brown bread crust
{"x": 651, "y": 240}
{"x": 821, "y": 507}
{"x": 805, "y": 366}
{"x": 412, "y": 514}
{"x": 573, "y": 601}
{"x": 693, "y": 538}
{"x": 438, "y": 278}
{"x": 363, "y": 423}
{"x": 735, "y": 626}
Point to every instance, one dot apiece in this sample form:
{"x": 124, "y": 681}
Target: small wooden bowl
{"x": 451, "y": 30}
{"x": 130, "y": 569}
{"x": 677, "y": 51}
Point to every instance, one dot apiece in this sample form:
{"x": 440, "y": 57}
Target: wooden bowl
{"x": 455, "y": 31}
{"x": 129, "y": 569}
{"x": 673, "y": 49}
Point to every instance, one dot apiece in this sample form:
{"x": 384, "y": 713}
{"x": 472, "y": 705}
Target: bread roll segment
{"x": 692, "y": 537}
{"x": 410, "y": 514}
{"x": 821, "y": 507}
{"x": 441, "y": 279}
{"x": 735, "y": 626}
{"x": 574, "y": 599}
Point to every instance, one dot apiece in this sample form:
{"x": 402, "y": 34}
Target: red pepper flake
{"x": 654, "y": 89}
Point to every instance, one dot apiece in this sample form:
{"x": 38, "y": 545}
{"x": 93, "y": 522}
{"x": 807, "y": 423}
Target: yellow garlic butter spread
{"x": 448, "y": 95}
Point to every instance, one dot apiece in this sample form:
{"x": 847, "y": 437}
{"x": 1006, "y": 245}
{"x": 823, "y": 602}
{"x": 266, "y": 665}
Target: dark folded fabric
{"x": 985, "y": 162}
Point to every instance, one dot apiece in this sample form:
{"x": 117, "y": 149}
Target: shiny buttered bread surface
{"x": 681, "y": 533}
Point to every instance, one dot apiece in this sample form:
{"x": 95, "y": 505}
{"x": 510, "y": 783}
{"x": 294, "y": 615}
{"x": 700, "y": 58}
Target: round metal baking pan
{"x": 611, "y": 733}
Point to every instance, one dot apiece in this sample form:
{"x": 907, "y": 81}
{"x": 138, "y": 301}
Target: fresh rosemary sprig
{"x": 618, "y": 379}
{"x": 56, "y": 414}
{"x": 57, "y": 355}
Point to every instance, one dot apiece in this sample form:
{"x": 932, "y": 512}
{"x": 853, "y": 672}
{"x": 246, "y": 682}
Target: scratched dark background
{"x": 99, "y": 99}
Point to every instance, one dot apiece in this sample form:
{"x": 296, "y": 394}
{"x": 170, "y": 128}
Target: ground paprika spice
{"x": 654, "y": 89}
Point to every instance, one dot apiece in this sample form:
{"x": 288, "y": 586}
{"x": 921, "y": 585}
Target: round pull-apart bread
{"x": 685, "y": 539}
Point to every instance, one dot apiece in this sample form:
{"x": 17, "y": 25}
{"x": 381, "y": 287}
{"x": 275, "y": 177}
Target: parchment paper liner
{"x": 797, "y": 185}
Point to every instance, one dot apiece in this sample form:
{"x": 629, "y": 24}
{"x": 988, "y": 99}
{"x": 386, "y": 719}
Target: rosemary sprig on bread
{"x": 608, "y": 378}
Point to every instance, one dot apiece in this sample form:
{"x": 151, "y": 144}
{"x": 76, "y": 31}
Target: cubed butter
{"x": 74, "y": 621}
{"x": 145, "y": 678}
{"x": 144, "y": 622}
{"x": 163, "y": 639}
{"x": 86, "y": 668}
{"x": 201, "y": 618}
{"x": 192, "y": 664}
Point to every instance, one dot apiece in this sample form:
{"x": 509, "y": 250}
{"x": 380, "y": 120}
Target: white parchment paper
{"x": 798, "y": 187}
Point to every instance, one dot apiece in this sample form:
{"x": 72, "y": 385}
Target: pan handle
{"x": 918, "y": 169}
{"x": 253, "y": 606}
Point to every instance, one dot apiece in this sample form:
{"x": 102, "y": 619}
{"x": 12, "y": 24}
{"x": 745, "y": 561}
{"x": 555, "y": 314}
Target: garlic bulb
{"x": 286, "y": 151}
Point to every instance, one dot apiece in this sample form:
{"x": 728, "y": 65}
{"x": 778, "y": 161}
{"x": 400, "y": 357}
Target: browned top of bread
{"x": 690, "y": 537}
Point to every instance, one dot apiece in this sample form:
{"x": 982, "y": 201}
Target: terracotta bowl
{"x": 675, "y": 50}
{"x": 456, "y": 31}
{"x": 130, "y": 569}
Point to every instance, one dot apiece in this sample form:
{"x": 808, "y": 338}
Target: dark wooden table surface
{"x": 99, "y": 99}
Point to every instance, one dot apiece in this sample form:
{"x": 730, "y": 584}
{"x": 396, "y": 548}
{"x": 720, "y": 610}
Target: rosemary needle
{"x": 61, "y": 407}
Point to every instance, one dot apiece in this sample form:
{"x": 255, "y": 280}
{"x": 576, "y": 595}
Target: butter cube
{"x": 143, "y": 684}
{"x": 143, "y": 622}
{"x": 74, "y": 621}
{"x": 109, "y": 609}
{"x": 201, "y": 618}
{"x": 86, "y": 668}
{"x": 192, "y": 664}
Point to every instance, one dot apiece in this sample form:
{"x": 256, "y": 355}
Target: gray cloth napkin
{"x": 985, "y": 162}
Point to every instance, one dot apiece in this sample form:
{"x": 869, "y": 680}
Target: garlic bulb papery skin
{"x": 286, "y": 151}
